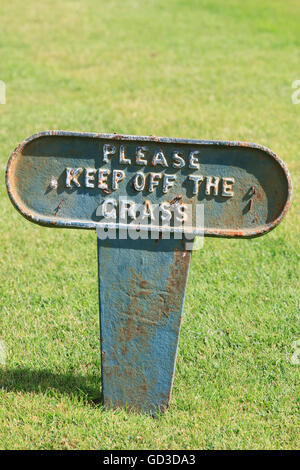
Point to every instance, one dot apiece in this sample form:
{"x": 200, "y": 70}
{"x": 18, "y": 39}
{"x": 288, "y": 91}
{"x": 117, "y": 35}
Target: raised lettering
{"x": 179, "y": 160}
{"x": 227, "y": 189}
{"x": 72, "y": 174}
{"x": 168, "y": 182}
{"x": 123, "y": 159}
{"x": 108, "y": 151}
{"x": 102, "y": 178}
{"x": 153, "y": 181}
{"x": 140, "y": 156}
{"x": 193, "y": 160}
{"x": 90, "y": 177}
{"x": 139, "y": 181}
{"x": 159, "y": 159}
{"x": 212, "y": 185}
{"x": 117, "y": 177}
{"x": 197, "y": 180}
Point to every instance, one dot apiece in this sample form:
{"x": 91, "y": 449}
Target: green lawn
{"x": 181, "y": 68}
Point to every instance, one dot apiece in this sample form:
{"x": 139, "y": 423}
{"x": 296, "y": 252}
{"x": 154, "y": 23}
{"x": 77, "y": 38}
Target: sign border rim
{"x": 78, "y": 224}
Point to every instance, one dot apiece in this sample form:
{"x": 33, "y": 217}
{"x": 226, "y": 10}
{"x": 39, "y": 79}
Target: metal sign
{"x": 146, "y": 197}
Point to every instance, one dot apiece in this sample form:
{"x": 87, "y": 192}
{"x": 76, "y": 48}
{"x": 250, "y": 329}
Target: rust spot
{"x": 58, "y": 207}
{"x": 259, "y": 195}
{"x": 177, "y": 278}
{"x": 143, "y": 284}
{"x": 12, "y": 183}
{"x": 175, "y": 200}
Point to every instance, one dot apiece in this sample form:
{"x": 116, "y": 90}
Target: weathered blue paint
{"x": 142, "y": 282}
{"x": 45, "y": 156}
{"x": 141, "y": 290}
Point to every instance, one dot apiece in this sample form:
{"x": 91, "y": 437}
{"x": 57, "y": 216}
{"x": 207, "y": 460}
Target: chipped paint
{"x": 252, "y": 165}
{"x": 59, "y": 178}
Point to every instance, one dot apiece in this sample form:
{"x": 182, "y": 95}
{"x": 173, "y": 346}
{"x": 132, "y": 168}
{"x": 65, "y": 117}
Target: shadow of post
{"x": 87, "y": 387}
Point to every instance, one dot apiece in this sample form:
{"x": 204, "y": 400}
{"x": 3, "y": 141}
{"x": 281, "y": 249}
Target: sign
{"x": 145, "y": 196}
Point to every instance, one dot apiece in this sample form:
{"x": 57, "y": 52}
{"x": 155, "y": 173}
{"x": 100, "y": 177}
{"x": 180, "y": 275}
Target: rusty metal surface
{"x": 60, "y": 179}
{"x": 141, "y": 292}
{"x": 43, "y": 184}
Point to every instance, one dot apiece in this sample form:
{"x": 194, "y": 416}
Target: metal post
{"x": 141, "y": 295}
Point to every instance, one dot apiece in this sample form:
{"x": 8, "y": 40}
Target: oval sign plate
{"x": 61, "y": 179}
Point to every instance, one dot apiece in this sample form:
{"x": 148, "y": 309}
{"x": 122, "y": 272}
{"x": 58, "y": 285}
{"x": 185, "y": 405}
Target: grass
{"x": 182, "y": 68}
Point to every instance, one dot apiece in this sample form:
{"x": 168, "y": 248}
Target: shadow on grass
{"x": 86, "y": 387}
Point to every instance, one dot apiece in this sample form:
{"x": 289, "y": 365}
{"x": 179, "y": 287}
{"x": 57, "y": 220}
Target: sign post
{"x": 147, "y": 198}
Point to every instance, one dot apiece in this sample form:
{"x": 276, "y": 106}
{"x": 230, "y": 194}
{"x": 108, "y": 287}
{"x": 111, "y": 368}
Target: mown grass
{"x": 182, "y": 68}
